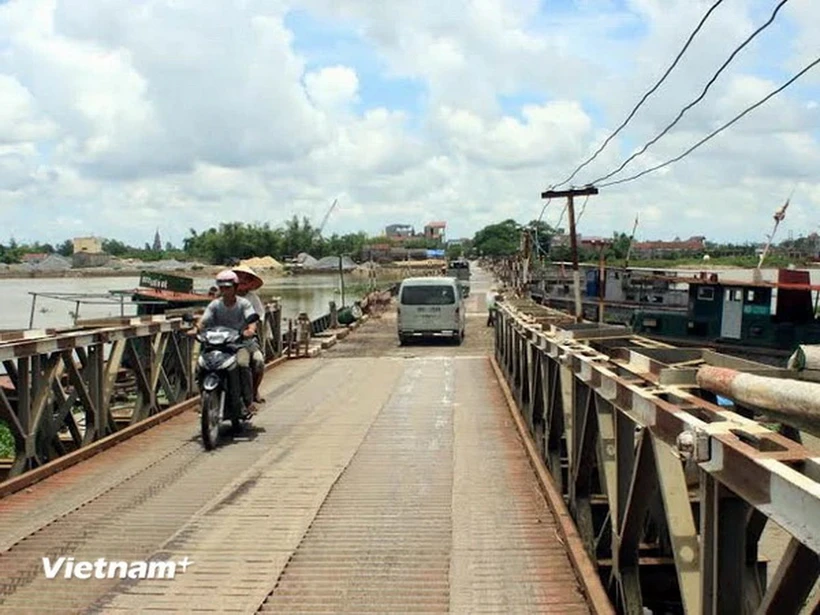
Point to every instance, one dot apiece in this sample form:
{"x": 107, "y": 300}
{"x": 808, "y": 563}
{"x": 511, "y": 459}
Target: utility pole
{"x": 573, "y": 241}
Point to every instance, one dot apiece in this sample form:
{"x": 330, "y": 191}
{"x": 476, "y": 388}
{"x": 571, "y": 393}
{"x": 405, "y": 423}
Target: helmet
{"x": 227, "y": 278}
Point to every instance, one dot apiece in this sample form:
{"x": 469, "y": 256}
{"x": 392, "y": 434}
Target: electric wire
{"x": 698, "y": 99}
{"x": 717, "y": 131}
{"x": 645, "y": 96}
{"x": 583, "y": 209}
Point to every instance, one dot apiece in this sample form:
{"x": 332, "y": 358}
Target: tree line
{"x": 237, "y": 240}
{"x": 232, "y": 241}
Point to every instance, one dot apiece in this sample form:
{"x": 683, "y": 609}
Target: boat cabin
{"x": 768, "y": 314}
{"x": 726, "y": 309}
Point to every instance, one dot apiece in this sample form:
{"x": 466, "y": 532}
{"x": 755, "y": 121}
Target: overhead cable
{"x": 698, "y": 99}
{"x": 715, "y": 132}
{"x": 645, "y": 96}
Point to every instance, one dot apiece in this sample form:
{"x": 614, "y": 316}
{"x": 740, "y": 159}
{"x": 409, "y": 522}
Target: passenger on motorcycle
{"x": 248, "y": 281}
{"x": 233, "y": 311}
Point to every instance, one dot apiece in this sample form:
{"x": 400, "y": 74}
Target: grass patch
{"x": 6, "y": 441}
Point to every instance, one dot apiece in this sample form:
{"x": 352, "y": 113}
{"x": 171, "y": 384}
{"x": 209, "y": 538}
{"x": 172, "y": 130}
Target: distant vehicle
{"x": 431, "y": 307}
{"x": 460, "y": 270}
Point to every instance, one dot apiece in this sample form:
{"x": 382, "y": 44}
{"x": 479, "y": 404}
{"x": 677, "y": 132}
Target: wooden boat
{"x": 160, "y": 292}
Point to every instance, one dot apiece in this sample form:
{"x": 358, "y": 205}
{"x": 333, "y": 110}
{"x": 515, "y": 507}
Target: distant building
{"x": 88, "y": 252}
{"x": 91, "y": 245}
{"x": 435, "y": 231}
{"x": 669, "y": 249}
{"x": 157, "y": 247}
{"x": 399, "y": 231}
{"x": 34, "y": 257}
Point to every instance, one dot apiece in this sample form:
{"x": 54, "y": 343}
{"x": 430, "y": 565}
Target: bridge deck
{"x": 391, "y": 483}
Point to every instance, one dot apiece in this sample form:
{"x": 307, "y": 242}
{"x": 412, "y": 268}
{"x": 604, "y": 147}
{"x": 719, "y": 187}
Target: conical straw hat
{"x": 248, "y": 279}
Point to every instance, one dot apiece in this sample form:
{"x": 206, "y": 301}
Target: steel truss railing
{"x": 66, "y": 390}
{"x": 670, "y": 491}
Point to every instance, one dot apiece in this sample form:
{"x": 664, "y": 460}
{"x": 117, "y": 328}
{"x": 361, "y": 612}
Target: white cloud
{"x": 121, "y": 116}
{"x": 332, "y": 88}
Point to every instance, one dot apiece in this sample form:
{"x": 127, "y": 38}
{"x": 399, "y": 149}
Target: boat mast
{"x": 779, "y": 215}
{"x": 631, "y": 241}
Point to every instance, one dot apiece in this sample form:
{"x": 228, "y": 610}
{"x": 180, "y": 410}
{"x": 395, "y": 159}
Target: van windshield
{"x": 428, "y": 295}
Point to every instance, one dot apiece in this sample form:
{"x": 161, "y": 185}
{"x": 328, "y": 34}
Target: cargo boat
{"x": 770, "y": 319}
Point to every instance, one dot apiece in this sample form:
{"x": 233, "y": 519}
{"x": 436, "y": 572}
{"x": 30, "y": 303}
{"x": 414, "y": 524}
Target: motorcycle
{"x": 219, "y": 380}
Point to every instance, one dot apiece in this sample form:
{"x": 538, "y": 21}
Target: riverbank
{"x": 382, "y": 272}
{"x": 103, "y": 273}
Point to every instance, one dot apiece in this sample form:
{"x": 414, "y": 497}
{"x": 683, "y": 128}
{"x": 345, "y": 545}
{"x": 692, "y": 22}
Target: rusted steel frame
{"x": 112, "y": 367}
{"x": 43, "y": 384}
{"x": 36, "y": 475}
{"x": 585, "y": 570}
{"x": 84, "y": 339}
{"x": 679, "y": 521}
{"x": 95, "y": 378}
{"x": 756, "y": 455}
{"x": 146, "y": 400}
{"x": 793, "y": 581}
{"x": 79, "y": 384}
{"x": 538, "y": 406}
{"x": 173, "y": 365}
{"x": 731, "y": 576}
{"x": 65, "y": 403}
{"x": 39, "y": 393}
{"x": 679, "y": 413}
{"x": 583, "y": 463}
{"x": 555, "y": 435}
{"x": 626, "y": 539}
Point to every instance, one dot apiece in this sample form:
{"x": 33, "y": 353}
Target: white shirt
{"x": 256, "y": 302}
{"x": 490, "y": 299}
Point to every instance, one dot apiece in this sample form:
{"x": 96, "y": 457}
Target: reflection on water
{"x": 309, "y": 294}
{"x": 306, "y": 293}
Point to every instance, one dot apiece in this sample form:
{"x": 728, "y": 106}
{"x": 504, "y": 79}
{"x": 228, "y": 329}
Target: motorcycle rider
{"x": 233, "y": 311}
{"x": 246, "y": 276}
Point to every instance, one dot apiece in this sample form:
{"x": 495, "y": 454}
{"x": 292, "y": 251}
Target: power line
{"x": 645, "y": 96}
{"x": 583, "y": 209}
{"x": 699, "y": 98}
{"x": 716, "y": 132}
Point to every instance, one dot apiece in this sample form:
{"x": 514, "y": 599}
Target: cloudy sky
{"x": 121, "y": 116}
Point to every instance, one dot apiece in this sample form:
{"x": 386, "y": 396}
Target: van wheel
{"x": 402, "y": 341}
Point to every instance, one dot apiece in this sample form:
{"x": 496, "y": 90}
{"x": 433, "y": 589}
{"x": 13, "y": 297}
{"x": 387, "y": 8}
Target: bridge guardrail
{"x": 670, "y": 491}
{"x": 66, "y": 390}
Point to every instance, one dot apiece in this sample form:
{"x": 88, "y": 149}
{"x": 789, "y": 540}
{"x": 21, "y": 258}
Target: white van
{"x": 430, "y": 307}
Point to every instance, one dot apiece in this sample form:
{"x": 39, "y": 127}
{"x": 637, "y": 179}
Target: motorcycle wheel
{"x": 210, "y": 419}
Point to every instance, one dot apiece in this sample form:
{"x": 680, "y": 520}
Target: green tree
{"x": 502, "y": 239}
{"x": 66, "y": 248}
{"x": 620, "y": 246}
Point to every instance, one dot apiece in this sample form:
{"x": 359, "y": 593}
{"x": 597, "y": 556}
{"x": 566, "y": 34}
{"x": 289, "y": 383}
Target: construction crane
{"x": 327, "y": 215}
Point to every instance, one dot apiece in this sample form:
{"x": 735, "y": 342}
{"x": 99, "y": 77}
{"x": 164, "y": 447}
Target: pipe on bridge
{"x": 795, "y": 401}
{"x": 805, "y": 358}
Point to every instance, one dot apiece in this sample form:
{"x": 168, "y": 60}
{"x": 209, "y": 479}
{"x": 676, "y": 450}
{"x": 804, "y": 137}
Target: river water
{"x": 306, "y": 293}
